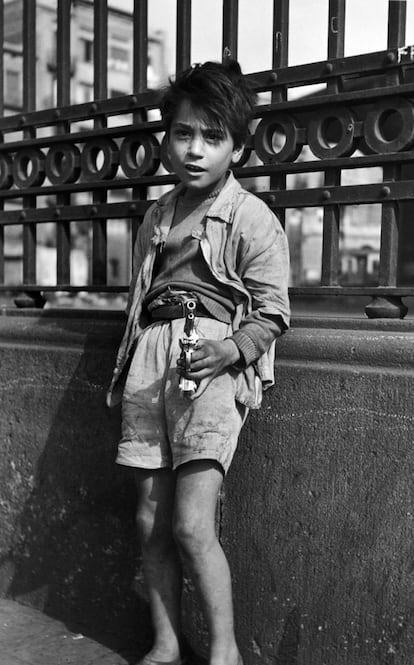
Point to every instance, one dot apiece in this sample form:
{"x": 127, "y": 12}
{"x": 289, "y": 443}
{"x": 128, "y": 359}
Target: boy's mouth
{"x": 193, "y": 168}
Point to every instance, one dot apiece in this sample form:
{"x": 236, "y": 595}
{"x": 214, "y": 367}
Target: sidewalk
{"x": 28, "y": 637}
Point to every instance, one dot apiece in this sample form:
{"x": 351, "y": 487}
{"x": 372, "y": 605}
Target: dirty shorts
{"x": 161, "y": 426}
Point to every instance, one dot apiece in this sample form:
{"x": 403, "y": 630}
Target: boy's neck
{"x": 192, "y": 196}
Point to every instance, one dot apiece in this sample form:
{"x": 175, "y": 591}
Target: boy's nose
{"x": 196, "y": 146}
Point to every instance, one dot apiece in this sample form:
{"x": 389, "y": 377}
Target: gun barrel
{"x": 187, "y": 345}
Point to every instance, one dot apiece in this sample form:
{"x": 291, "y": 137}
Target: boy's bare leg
{"x": 162, "y": 567}
{"x": 198, "y": 485}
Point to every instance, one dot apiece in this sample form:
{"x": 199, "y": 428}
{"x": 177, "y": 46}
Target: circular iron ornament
{"x": 267, "y": 129}
{"x": 340, "y": 121}
{"x": 132, "y": 147}
{"x": 63, "y": 163}
{"x": 6, "y": 175}
{"x": 165, "y": 159}
{"x": 28, "y": 167}
{"x": 399, "y": 113}
{"x": 104, "y": 148}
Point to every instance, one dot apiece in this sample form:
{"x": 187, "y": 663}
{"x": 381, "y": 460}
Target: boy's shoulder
{"x": 250, "y": 207}
{"x": 234, "y": 200}
{"x": 248, "y": 198}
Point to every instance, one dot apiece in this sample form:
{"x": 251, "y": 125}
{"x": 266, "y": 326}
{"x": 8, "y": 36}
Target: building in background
{"x": 120, "y": 54}
{"x": 120, "y": 82}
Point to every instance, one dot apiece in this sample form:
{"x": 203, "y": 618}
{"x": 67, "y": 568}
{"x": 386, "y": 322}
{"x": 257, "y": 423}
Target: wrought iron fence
{"x": 361, "y": 117}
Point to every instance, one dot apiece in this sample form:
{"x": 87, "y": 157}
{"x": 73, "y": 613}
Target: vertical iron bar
{"x": 397, "y": 16}
{"x": 389, "y": 235}
{"x": 183, "y": 45}
{"x": 29, "y": 104}
{"x": 390, "y": 212}
{"x": 330, "y": 234}
{"x": 63, "y": 76}
{"x": 63, "y": 56}
{"x": 280, "y": 56}
{"x": 140, "y": 84}
{"x": 100, "y": 49}
{"x": 230, "y": 27}
{"x": 2, "y": 258}
{"x": 280, "y": 33}
{"x": 29, "y": 245}
{"x": 100, "y": 85}
{"x": 140, "y": 32}
{"x": 336, "y": 29}
{"x": 1, "y": 57}
{"x": 29, "y": 55}
{"x": 332, "y": 214}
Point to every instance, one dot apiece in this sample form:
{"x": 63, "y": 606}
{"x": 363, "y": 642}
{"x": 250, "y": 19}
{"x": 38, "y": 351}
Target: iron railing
{"x": 362, "y": 117}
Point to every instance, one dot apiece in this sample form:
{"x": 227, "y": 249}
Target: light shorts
{"x": 161, "y": 426}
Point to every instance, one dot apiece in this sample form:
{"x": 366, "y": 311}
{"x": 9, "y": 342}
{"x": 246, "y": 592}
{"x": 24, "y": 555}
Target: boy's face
{"x": 199, "y": 154}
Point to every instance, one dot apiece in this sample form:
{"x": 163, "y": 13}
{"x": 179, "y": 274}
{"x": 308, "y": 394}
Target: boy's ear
{"x": 237, "y": 153}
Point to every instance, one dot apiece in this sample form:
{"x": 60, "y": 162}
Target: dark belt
{"x": 176, "y": 311}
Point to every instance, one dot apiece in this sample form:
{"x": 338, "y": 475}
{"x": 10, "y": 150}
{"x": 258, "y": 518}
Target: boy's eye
{"x": 213, "y": 136}
{"x": 181, "y": 133}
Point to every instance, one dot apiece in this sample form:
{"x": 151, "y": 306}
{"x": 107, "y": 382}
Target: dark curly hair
{"x": 218, "y": 91}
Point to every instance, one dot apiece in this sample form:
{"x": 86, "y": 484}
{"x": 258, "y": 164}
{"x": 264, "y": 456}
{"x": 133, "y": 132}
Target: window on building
{"x": 118, "y": 58}
{"x": 87, "y": 49}
{"x": 12, "y": 92}
{"x": 118, "y": 53}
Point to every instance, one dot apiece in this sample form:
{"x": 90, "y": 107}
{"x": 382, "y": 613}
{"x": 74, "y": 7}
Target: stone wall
{"x": 317, "y": 513}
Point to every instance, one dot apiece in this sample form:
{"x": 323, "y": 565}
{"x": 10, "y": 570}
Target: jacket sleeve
{"x": 263, "y": 266}
{"x": 141, "y": 246}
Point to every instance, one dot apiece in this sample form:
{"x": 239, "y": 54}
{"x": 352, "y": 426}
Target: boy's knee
{"x": 192, "y": 536}
{"x": 144, "y": 520}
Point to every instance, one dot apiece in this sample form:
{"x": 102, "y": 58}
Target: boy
{"x": 211, "y": 242}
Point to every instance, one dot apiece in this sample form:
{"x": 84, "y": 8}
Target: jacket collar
{"x": 221, "y": 208}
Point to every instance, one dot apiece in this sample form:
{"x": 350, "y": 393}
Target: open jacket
{"x": 245, "y": 248}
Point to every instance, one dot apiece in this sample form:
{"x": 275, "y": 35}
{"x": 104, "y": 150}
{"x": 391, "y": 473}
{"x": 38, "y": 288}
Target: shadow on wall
{"x": 72, "y": 551}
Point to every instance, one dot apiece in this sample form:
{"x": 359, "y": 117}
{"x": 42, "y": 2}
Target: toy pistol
{"x": 188, "y": 344}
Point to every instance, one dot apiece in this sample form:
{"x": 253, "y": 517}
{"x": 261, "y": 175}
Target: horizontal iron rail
{"x": 324, "y": 70}
{"x": 72, "y": 213}
{"x": 344, "y": 194}
{"x": 245, "y": 172}
{"x": 402, "y": 291}
{"x": 86, "y": 111}
{"x": 297, "y": 198}
{"x": 262, "y": 81}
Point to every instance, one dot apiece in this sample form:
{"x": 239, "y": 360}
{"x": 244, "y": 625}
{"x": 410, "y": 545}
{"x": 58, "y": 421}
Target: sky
{"x": 365, "y": 29}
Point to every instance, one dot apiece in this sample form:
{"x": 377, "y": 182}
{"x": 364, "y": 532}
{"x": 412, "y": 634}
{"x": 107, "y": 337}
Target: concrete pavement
{"x": 29, "y": 637}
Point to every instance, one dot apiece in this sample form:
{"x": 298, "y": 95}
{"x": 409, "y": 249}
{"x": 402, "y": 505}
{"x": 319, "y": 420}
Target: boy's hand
{"x": 209, "y": 358}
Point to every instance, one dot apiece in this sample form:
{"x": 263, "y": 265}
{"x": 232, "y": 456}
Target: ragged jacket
{"x": 246, "y": 249}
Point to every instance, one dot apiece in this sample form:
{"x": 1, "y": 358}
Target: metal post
{"x": 63, "y": 78}
{"x": 390, "y": 307}
{"x": 230, "y": 27}
{"x": 29, "y": 104}
{"x": 183, "y": 45}
{"x": 100, "y": 68}
{"x": 279, "y": 94}
{"x": 331, "y": 214}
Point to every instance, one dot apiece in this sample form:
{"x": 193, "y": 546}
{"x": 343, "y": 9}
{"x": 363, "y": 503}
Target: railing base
{"x": 390, "y": 307}
{"x": 32, "y": 299}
